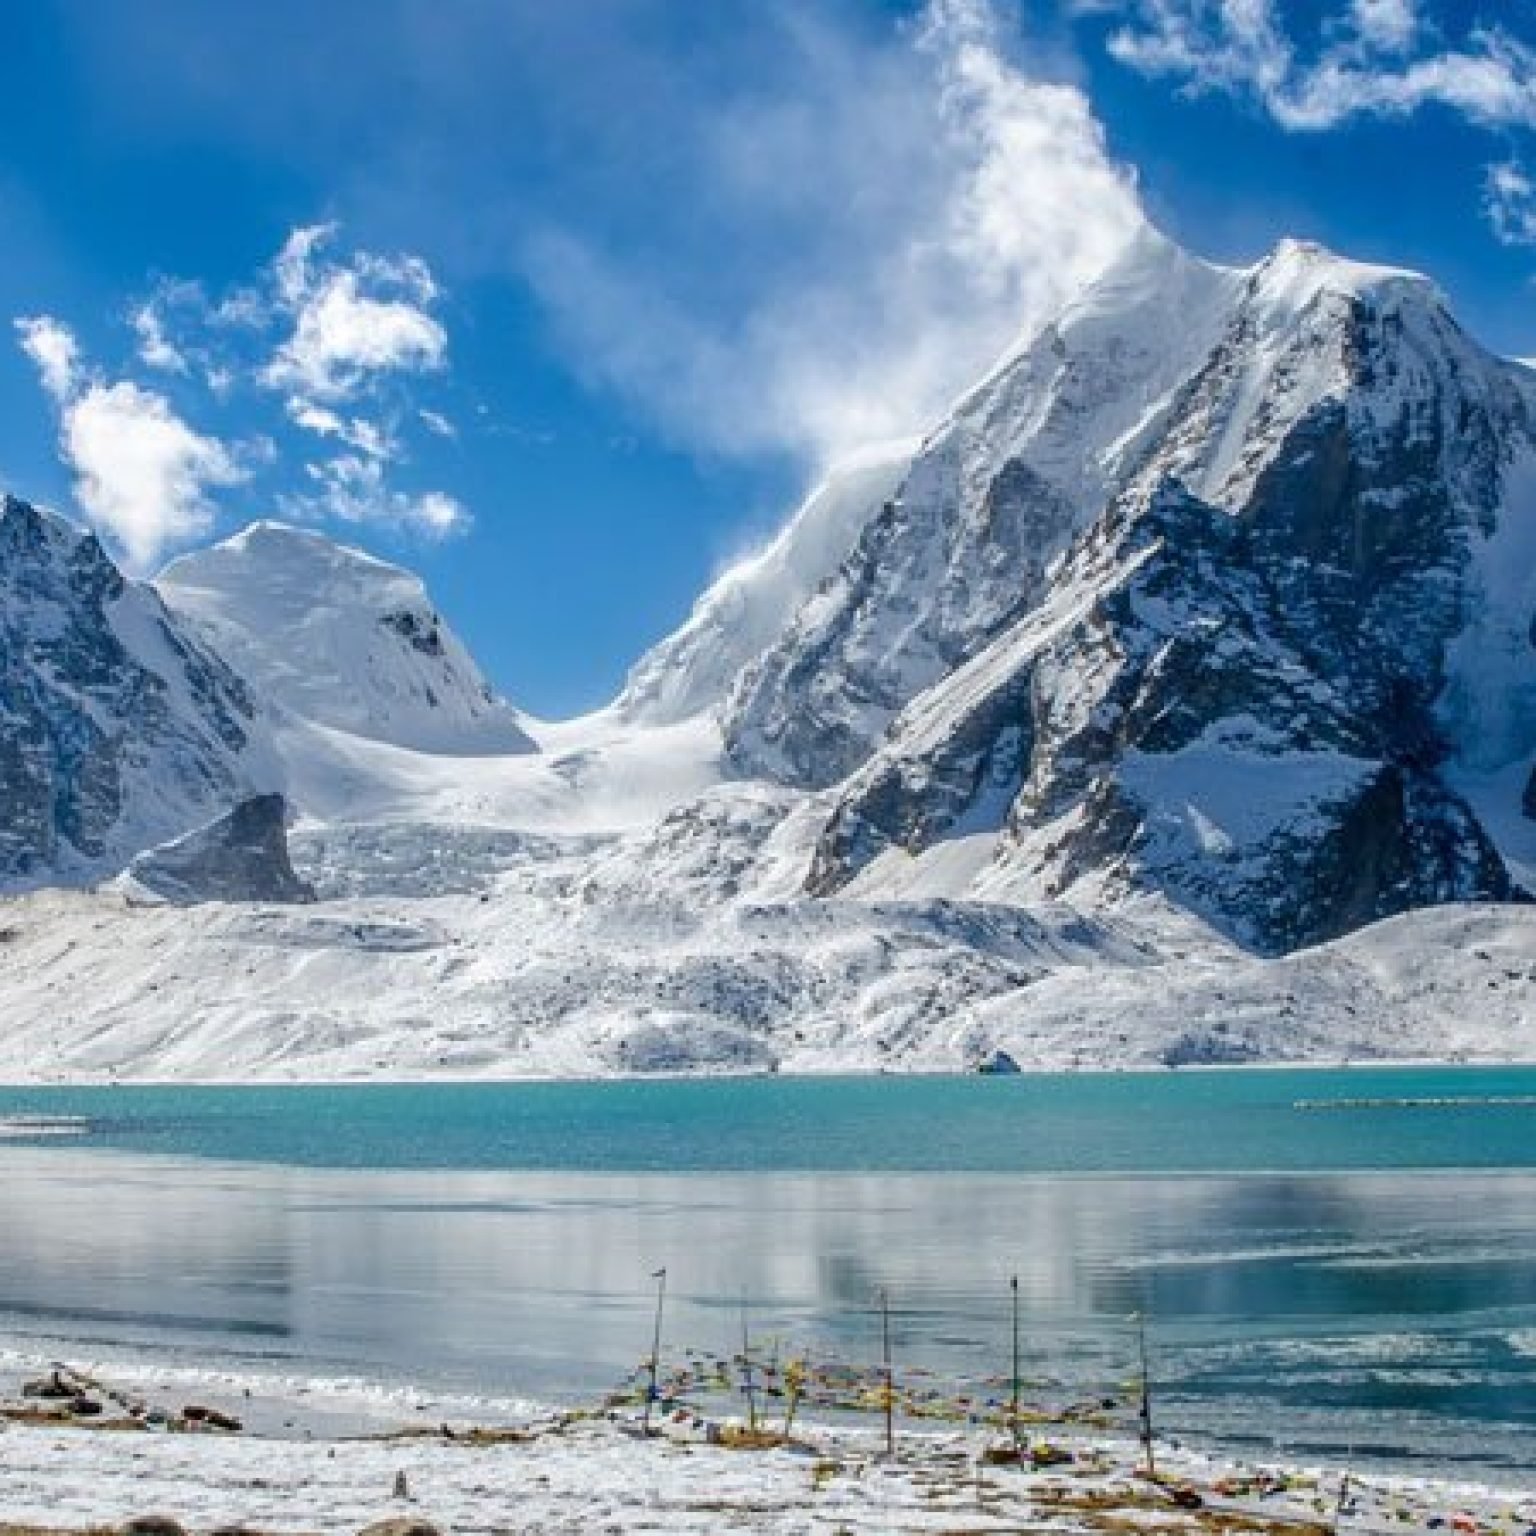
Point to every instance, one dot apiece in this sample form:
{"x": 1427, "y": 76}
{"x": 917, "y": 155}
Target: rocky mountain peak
{"x": 117, "y": 725}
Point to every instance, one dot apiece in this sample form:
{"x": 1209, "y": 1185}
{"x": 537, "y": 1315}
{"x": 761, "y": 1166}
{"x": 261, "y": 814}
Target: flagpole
{"x": 661, "y": 1297}
{"x": 1146, "y": 1397}
{"x": 890, "y": 1374}
{"x": 1013, "y": 1402}
{"x": 748, "y": 1385}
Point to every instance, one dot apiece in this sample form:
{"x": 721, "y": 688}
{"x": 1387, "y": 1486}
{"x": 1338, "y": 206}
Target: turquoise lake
{"x": 1169, "y": 1122}
{"x": 1336, "y": 1263}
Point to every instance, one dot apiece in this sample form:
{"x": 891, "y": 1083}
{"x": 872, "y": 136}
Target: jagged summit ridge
{"x": 1166, "y": 367}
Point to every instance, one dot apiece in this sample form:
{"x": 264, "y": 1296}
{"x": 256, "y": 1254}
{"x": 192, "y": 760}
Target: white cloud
{"x": 351, "y": 322}
{"x": 340, "y": 333}
{"x": 353, "y": 488}
{"x": 53, "y": 348}
{"x": 1389, "y": 25}
{"x": 155, "y": 349}
{"x": 1369, "y": 62}
{"x": 355, "y": 431}
{"x": 1510, "y": 202}
{"x": 936, "y": 202}
{"x": 142, "y": 475}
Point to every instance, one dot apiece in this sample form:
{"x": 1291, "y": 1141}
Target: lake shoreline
{"x": 1370, "y": 1298}
{"x": 555, "y": 1471}
{"x": 717, "y": 1074}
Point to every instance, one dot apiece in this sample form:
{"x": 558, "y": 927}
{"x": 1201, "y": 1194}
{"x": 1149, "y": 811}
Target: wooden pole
{"x": 1146, "y": 1397}
{"x": 890, "y": 1374}
{"x": 746, "y": 1367}
{"x": 660, "y": 1277}
{"x": 1013, "y": 1400}
{"x": 1343, "y": 1499}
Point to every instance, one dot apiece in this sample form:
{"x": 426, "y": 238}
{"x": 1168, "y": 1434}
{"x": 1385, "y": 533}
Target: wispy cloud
{"x": 351, "y": 321}
{"x": 142, "y": 474}
{"x": 1510, "y": 202}
{"x": 1367, "y": 59}
{"x": 1376, "y": 58}
{"x": 354, "y": 488}
{"x": 944, "y": 200}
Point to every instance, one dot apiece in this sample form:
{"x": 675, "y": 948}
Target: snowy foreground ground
{"x": 598, "y": 1475}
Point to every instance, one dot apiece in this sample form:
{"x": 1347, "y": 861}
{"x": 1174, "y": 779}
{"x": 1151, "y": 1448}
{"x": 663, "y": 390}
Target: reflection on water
{"x": 1310, "y": 1311}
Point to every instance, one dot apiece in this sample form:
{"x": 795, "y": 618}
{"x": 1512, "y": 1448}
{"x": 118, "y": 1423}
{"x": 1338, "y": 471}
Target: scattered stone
{"x": 85, "y": 1407}
{"x": 152, "y": 1525}
{"x": 402, "y": 1525}
{"x": 53, "y": 1386}
{"x": 213, "y": 1418}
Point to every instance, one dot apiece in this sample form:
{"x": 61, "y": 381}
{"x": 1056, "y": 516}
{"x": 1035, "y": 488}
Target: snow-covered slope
{"x": 743, "y": 612}
{"x": 118, "y": 728}
{"x": 332, "y": 636}
{"x": 517, "y": 983}
{"x": 967, "y": 542}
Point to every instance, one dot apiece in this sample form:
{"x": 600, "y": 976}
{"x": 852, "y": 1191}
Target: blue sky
{"x": 564, "y": 304}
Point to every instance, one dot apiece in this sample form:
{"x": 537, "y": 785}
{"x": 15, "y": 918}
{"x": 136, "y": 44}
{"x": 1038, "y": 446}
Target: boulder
{"x": 241, "y": 856}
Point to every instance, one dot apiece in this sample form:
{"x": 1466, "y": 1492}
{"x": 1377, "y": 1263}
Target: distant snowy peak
{"x": 333, "y": 636}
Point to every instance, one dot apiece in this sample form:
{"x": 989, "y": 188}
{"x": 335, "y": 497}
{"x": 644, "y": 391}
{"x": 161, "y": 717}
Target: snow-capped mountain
{"x": 1217, "y": 589}
{"x": 119, "y": 728}
{"x": 1201, "y": 632}
{"x": 329, "y": 635}
{"x": 966, "y": 540}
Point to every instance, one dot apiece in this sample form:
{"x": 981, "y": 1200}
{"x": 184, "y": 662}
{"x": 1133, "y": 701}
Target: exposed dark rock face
{"x": 116, "y": 726}
{"x": 242, "y": 856}
{"x": 421, "y": 632}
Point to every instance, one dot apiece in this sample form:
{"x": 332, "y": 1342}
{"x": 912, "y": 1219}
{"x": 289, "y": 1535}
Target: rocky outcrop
{"x": 241, "y": 856}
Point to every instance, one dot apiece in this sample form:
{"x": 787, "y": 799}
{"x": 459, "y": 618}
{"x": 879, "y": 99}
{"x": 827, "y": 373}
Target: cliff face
{"x": 240, "y": 856}
{"x": 118, "y": 727}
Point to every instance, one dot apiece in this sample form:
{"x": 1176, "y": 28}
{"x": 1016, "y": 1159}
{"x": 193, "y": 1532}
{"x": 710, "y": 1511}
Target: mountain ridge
{"x": 1198, "y": 639}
